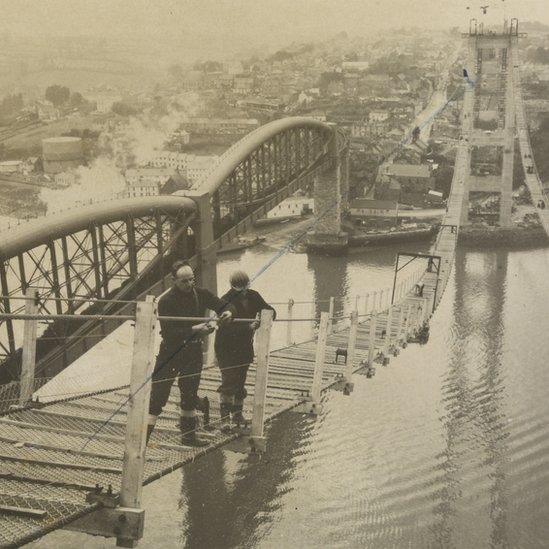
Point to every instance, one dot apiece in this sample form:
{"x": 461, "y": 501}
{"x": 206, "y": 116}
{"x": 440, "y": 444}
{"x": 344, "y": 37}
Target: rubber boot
{"x": 203, "y": 405}
{"x": 239, "y": 420}
{"x": 188, "y": 432}
{"x": 225, "y": 412}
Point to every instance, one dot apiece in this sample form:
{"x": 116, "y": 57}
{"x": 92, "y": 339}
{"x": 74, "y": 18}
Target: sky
{"x": 235, "y": 23}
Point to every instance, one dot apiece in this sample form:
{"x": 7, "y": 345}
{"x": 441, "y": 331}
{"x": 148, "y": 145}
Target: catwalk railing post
{"x": 289, "y": 323}
{"x": 28, "y": 361}
{"x": 257, "y": 438}
{"x": 209, "y": 352}
{"x": 388, "y": 331}
{"x": 331, "y": 315}
{"x": 407, "y": 322}
{"x": 400, "y": 328}
{"x": 313, "y": 316}
{"x": 425, "y": 310}
{"x": 395, "y": 280}
{"x": 138, "y": 409}
{"x": 372, "y": 339}
{"x": 351, "y": 349}
{"x": 316, "y": 388}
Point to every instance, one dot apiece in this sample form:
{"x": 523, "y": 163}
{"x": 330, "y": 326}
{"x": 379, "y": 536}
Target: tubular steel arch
{"x": 265, "y": 167}
{"x": 116, "y": 250}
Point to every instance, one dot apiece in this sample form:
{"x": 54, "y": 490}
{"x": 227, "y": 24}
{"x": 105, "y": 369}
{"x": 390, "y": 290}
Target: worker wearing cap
{"x": 180, "y": 354}
{"x": 234, "y": 348}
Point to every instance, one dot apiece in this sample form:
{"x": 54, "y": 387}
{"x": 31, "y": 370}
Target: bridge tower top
{"x": 477, "y": 30}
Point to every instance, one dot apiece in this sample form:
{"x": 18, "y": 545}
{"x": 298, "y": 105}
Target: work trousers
{"x": 233, "y": 379}
{"x": 171, "y": 363}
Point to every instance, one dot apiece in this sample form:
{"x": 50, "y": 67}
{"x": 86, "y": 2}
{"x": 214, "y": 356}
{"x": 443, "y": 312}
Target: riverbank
{"x": 278, "y": 236}
{"x": 497, "y": 237}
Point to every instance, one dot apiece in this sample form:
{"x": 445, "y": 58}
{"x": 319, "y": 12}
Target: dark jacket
{"x": 234, "y": 340}
{"x": 178, "y": 303}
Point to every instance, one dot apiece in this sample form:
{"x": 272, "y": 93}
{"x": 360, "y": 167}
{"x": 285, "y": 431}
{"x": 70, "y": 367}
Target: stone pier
{"x": 331, "y": 197}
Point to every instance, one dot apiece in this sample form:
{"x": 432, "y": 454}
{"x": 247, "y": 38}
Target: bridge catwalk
{"x": 46, "y": 474}
{"x": 53, "y": 457}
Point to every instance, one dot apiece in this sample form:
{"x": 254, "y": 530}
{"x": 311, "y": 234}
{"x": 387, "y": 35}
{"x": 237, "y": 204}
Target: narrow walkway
{"x": 52, "y": 457}
{"x": 45, "y": 478}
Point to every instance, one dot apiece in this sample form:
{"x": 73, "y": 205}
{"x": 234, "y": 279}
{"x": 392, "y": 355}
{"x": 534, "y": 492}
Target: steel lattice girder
{"x": 266, "y": 170}
{"x": 86, "y": 264}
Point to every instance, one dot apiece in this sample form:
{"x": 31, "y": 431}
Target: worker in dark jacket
{"x": 180, "y": 354}
{"x": 234, "y": 348}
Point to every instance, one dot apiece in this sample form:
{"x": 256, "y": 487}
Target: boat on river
{"x": 241, "y": 243}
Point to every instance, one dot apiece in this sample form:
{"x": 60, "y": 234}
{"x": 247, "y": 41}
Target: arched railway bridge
{"x": 118, "y": 250}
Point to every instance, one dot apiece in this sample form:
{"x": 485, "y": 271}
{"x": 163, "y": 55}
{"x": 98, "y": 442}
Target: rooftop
{"x": 371, "y": 203}
{"x": 407, "y": 170}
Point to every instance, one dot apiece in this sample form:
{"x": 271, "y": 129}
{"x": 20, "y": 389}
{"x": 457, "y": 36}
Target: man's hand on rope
{"x": 224, "y": 317}
{"x": 254, "y": 325}
{"x": 204, "y": 328}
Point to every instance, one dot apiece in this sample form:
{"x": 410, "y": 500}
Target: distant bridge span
{"x": 119, "y": 250}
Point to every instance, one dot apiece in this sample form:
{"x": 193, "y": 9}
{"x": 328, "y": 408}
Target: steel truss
{"x": 271, "y": 167}
{"x": 90, "y": 264}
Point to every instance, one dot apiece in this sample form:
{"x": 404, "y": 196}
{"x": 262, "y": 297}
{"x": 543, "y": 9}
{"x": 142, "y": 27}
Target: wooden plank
{"x": 351, "y": 352}
{"x": 48, "y": 481}
{"x": 260, "y": 394}
{"x": 23, "y": 511}
{"x": 80, "y": 434}
{"x": 319, "y": 361}
{"x": 28, "y": 361}
{"x": 64, "y": 464}
{"x": 54, "y": 448}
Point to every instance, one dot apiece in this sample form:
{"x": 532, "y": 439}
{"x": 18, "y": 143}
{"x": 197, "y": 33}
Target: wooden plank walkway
{"x": 45, "y": 467}
{"x": 52, "y": 457}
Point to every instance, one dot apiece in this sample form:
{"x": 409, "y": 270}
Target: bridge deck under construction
{"x": 52, "y": 457}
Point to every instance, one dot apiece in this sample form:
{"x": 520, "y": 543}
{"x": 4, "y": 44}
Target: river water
{"x": 448, "y": 446}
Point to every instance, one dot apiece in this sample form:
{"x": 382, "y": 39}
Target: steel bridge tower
{"x": 489, "y": 120}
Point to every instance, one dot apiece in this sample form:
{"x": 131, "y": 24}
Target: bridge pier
{"x": 488, "y": 64}
{"x": 206, "y": 256}
{"x": 331, "y": 195}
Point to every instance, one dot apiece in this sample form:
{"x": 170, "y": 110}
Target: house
{"x": 226, "y": 126}
{"x": 198, "y": 167}
{"x": 364, "y": 207}
{"x": 65, "y": 179}
{"x": 243, "y": 84}
{"x": 411, "y": 177}
{"x": 11, "y": 166}
{"x": 147, "y": 181}
{"x": 46, "y": 111}
{"x": 378, "y": 116}
{"x": 175, "y": 183}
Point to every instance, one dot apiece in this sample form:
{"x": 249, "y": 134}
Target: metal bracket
{"x": 309, "y": 407}
{"x": 106, "y": 499}
{"x": 123, "y": 523}
{"x": 348, "y": 388}
{"x": 258, "y": 445}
